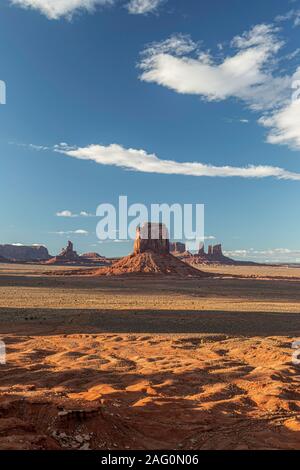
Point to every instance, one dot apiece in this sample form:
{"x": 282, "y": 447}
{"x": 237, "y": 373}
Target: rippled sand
{"x": 150, "y": 363}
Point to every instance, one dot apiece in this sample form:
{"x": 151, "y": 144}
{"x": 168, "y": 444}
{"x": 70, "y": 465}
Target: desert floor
{"x": 150, "y": 363}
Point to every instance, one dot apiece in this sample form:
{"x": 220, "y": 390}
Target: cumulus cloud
{"x": 55, "y": 9}
{"x": 141, "y": 7}
{"x": 67, "y": 213}
{"x": 249, "y": 73}
{"x": 179, "y": 64}
{"x": 140, "y": 160}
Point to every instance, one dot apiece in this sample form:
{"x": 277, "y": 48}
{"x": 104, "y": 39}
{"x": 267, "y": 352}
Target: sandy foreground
{"x": 150, "y": 363}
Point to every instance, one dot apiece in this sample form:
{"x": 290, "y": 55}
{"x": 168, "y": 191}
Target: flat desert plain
{"x": 150, "y": 362}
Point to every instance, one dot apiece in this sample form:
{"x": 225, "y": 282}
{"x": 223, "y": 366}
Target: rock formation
{"x": 153, "y": 237}
{"x": 94, "y": 258}
{"x": 177, "y": 248}
{"x": 217, "y": 251}
{"x": 150, "y": 256}
{"x": 68, "y": 256}
{"x": 201, "y": 251}
{"x": 24, "y": 253}
{"x": 68, "y": 253}
{"x": 214, "y": 255}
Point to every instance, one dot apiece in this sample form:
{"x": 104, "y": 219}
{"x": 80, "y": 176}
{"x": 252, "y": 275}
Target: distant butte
{"x": 214, "y": 255}
{"x": 68, "y": 256}
{"x": 151, "y": 255}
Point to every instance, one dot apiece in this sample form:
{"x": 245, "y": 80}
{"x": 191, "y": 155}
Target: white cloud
{"x": 141, "y": 7}
{"x": 250, "y": 73}
{"x": 86, "y": 214}
{"x": 55, "y": 9}
{"x": 293, "y": 15}
{"x": 72, "y": 232}
{"x": 67, "y": 213}
{"x": 285, "y": 125}
{"x": 139, "y": 160}
{"x": 179, "y": 64}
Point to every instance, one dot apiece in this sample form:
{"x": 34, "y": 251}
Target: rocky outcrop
{"x": 24, "y": 253}
{"x": 153, "y": 237}
{"x": 214, "y": 255}
{"x": 177, "y": 248}
{"x": 91, "y": 255}
{"x": 68, "y": 253}
{"x": 94, "y": 258}
{"x": 201, "y": 251}
{"x": 68, "y": 256}
{"x": 151, "y": 256}
{"x": 150, "y": 262}
{"x": 217, "y": 251}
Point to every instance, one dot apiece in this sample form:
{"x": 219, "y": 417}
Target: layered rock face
{"x": 217, "y": 251}
{"x": 151, "y": 256}
{"x": 153, "y": 237}
{"x": 24, "y": 253}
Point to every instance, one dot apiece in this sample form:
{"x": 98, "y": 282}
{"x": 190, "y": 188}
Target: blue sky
{"x": 181, "y": 82}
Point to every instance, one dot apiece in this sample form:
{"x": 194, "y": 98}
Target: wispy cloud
{"x": 72, "y": 232}
{"x": 250, "y": 72}
{"x": 140, "y": 160}
{"x": 55, "y": 9}
{"x": 67, "y": 213}
{"x": 142, "y": 7}
{"x": 292, "y": 15}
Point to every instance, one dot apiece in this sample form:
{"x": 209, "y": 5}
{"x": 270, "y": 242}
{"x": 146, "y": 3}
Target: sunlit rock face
{"x": 152, "y": 237}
